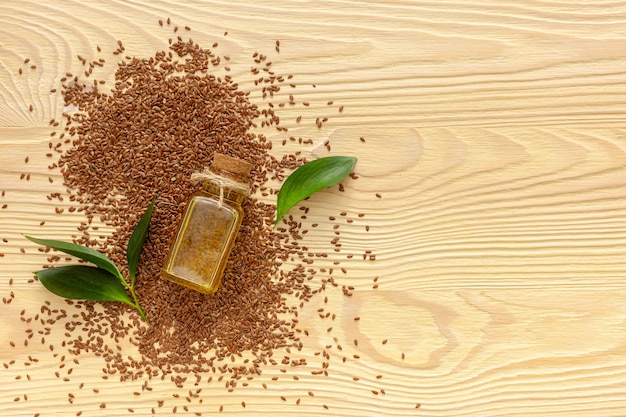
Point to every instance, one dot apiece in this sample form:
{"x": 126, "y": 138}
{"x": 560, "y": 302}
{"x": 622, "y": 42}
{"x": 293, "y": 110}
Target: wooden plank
{"x": 494, "y": 136}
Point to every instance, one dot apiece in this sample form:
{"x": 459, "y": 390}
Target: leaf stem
{"x": 131, "y": 289}
{"x": 137, "y": 305}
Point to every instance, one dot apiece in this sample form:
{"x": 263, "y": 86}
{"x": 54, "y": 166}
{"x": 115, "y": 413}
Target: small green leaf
{"x": 136, "y": 241}
{"x": 82, "y": 282}
{"x": 310, "y": 178}
{"x": 82, "y": 252}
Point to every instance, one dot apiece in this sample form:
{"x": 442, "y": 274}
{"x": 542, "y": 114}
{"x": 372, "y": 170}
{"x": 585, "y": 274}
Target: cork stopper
{"x": 230, "y": 167}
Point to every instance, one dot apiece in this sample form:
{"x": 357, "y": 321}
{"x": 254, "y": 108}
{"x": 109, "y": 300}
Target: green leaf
{"x": 82, "y": 252}
{"x": 310, "y": 178}
{"x": 82, "y": 282}
{"x": 136, "y": 241}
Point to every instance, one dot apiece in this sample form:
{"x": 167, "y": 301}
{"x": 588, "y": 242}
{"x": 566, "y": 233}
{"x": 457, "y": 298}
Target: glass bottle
{"x": 209, "y": 226}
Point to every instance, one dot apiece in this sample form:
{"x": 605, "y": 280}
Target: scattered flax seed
{"x": 167, "y": 94}
{"x": 378, "y": 195}
{"x": 384, "y": 342}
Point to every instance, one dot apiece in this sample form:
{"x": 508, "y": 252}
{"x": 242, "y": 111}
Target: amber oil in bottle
{"x": 209, "y": 226}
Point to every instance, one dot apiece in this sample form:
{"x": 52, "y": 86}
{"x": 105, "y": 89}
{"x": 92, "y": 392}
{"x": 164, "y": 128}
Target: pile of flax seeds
{"x": 162, "y": 120}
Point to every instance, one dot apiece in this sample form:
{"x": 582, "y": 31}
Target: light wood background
{"x": 495, "y": 136}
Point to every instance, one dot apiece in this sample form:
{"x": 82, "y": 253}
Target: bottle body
{"x": 204, "y": 240}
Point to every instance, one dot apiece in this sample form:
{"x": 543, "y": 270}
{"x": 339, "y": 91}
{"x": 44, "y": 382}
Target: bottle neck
{"x": 233, "y": 195}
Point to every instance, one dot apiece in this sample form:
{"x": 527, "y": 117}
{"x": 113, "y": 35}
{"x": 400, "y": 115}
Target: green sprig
{"x": 103, "y": 282}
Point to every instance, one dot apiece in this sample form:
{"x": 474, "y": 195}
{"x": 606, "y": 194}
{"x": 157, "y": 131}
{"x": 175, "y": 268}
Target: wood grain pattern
{"x": 494, "y": 133}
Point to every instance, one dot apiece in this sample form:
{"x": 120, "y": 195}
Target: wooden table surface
{"x": 495, "y": 137}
